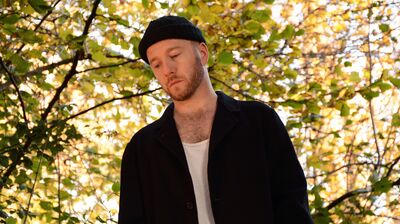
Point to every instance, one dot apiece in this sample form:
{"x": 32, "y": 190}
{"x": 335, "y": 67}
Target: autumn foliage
{"x": 73, "y": 91}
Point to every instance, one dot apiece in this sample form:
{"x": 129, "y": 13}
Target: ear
{"x": 203, "y": 50}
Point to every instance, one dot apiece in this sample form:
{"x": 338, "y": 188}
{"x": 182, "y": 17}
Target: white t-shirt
{"x": 197, "y": 159}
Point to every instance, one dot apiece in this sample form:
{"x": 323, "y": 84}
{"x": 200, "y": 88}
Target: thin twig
{"x": 340, "y": 168}
{"x": 59, "y": 188}
{"x": 108, "y": 66}
{"x": 33, "y": 188}
{"x": 371, "y": 109}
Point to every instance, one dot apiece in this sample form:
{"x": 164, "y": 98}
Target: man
{"x": 209, "y": 158}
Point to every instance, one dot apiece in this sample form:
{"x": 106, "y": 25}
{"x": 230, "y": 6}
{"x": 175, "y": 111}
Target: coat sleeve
{"x": 289, "y": 186}
{"x": 130, "y": 204}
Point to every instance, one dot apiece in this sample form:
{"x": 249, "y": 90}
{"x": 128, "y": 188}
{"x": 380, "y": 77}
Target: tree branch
{"x": 109, "y": 101}
{"x": 79, "y": 54}
{"x": 345, "y": 196}
{"x": 11, "y": 76}
{"x": 395, "y": 161}
{"x": 354, "y": 193}
{"x": 72, "y": 71}
{"x": 236, "y": 90}
{"x": 39, "y": 70}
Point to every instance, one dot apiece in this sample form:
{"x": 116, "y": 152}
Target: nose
{"x": 169, "y": 67}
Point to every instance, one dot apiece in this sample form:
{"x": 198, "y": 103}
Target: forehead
{"x": 167, "y": 45}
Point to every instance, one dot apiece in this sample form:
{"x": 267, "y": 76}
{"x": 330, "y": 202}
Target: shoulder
{"x": 254, "y": 105}
{"x": 145, "y": 133}
{"x": 256, "y": 108}
{"x": 139, "y": 141}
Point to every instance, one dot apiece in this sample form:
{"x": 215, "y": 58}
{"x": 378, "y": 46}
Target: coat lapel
{"x": 169, "y": 137}
{"x": 224, "y": 121}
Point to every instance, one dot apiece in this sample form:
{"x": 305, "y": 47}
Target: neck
{"x": 203, "y": 100}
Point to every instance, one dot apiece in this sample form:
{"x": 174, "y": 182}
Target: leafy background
{"x": 73, "y": 91}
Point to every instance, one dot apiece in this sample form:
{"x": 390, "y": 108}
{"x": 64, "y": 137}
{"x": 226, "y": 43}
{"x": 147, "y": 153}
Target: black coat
{"x": 253, "y": 172}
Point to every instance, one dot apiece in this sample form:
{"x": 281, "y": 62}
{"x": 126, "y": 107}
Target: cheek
{"x": 161, "y": 79}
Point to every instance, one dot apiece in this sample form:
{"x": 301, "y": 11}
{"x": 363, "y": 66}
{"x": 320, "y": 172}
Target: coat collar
{"x": 224, "y": 121}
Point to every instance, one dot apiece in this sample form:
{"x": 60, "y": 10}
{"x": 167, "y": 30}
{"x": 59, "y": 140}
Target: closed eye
{"x": 174, "y": 55}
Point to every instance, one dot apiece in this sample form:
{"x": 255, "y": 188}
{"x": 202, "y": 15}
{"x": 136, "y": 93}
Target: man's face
{"x": 178, "y": 66}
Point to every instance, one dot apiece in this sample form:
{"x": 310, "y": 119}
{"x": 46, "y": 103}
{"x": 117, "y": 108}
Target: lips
{"x": 173, "y": 82}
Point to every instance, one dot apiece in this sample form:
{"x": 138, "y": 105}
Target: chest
{"x": 194, "y": 130}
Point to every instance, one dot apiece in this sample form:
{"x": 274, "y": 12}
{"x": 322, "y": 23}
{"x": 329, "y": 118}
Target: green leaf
{"x": 46, "y": 86}
{"x": 395, "y": 81}
{"x": 64, "y": 195}
{"x": 164, "y": 5}
{"x": 290, "y": 73}
{"x": 11, "y": 220}
{"x": 145, "y": 4}
{"x": 345, "y": 110}
{"x": 368, "y": 94}
{"x": 123, "y": 22}
{"x": 300, "y": 32}
{"x": 217, "y": 9}
{"x": 261, "y": 15}
{"x": 338, "y": 70}
{"x": 396, "y": 120}
{"x": 347, "y": 64}
{"x": 3, "y": 160}
{"x": 126, "y": 93}
{"x": 99, "y": 56}
{"x": 225, "y": 57}
{"x": 107, "y": 3}
{"x": 384, "y": 27}
{"x": 293, "y": 124}
{"x": 21, "y": 65}
{"x": 288, "y": 32}
{"x": 10, "y": 19}
{"x": 313, "y": 107}
{"x": 384, "y": 86}
{"x": 40, "y": 6}
{"x": 67, "y": 182}
{"x": 383, "y": 185}
{"x": 292, "y": 103}
{"x": 115, "y": 187}
{"x": 253, "y": 27}
{"x": 269, "y": 2}
{"x": 354, "y": 77}
{"x": 46, "y": 205}
{"x": 28, "y": 36}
